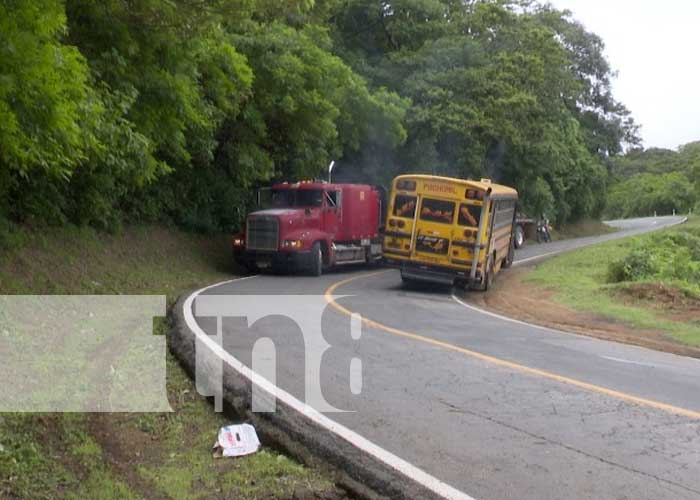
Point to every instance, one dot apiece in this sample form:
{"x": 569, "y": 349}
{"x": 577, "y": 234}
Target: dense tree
{"x": 646, "y": 194}
{"x": 655, "y": 180}
{"x": 176, "y": 109}
{"x": 514, "y": 91}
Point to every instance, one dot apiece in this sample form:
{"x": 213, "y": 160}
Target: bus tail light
{"x": 392, "y": 223}
{"x": 402, "y": 224}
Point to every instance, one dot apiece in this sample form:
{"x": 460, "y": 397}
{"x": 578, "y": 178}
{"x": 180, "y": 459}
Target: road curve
{"x": 481, "y": 404}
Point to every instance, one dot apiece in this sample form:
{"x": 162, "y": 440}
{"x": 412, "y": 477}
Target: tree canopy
{"x": 176, "y": 109}
{"x": 655, "y": 180}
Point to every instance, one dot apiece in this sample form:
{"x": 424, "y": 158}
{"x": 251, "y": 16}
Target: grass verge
{"x": 581, "y": 229}
{"x": 131, "y": 455}
{"x": 648, "y": 281}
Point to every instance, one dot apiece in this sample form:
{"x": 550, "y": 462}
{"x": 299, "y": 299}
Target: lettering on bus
{"x": 439, "y": 187}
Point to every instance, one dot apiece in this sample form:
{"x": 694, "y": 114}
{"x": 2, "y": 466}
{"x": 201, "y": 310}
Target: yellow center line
{"x": 328, "y": 294}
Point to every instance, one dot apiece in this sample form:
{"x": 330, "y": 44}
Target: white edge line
{"x": 505, "y": 318}
{"x": 421, "y": 477}
{"x": 541, "y": 256}
{"x": 632, "y": 362}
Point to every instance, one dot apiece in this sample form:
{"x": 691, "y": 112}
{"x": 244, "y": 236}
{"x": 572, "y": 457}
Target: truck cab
{"x": 311, "y": 225}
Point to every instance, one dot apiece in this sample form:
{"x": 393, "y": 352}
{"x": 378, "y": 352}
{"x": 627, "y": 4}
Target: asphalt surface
{"x": 495, "y": 408}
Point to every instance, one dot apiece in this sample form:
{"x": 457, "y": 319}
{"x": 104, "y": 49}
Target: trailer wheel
{"x": 519, "y": 236}
{"x": 316, "y": 260}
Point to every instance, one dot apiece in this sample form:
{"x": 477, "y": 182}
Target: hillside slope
{"x": 130, "y": 455}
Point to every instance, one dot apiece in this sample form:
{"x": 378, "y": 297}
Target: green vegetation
{"x": 581, "y": 229}
{"x": 671, "y": 257}
{"x": 655, "y": 180}
{"x": 131, "y": 455}
{"x": 173, "y": 110}
{"x": 651, "y": 281}
{"x": 146, "y": 259}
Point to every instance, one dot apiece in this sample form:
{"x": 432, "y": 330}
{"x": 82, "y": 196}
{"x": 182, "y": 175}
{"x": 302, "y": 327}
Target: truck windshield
{"x": 285, "y": 198}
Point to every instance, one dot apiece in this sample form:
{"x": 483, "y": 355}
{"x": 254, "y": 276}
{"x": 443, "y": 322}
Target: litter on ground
{"x": 236, "y": 441}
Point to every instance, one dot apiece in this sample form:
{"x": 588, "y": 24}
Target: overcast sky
{"x": 655, "y": 48}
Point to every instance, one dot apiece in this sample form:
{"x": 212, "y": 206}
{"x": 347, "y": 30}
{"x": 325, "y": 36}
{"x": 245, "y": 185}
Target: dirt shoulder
{"x": 512, "y": 296}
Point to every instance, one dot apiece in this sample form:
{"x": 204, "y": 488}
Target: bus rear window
{"x": 437, "y": 211}
{"x": 469, "y": 215}
{"x": 405, "y": 206}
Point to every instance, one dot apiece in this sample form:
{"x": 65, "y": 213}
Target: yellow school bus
{"x": 450, "y": 231}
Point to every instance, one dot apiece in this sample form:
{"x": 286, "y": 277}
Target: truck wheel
{"x": 245, "y": 267}
{"x": 316, "y": 260}
{"x": 519, "y": 236}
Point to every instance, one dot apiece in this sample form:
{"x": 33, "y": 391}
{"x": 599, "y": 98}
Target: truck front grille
{"x": 262, "y": 233}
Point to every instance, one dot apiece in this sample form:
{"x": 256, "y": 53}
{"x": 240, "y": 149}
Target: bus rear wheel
{"x": 508, "y": 261}
{"x": 487, "y": 280}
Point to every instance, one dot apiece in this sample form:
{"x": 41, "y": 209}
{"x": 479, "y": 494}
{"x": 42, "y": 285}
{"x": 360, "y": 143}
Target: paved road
{"x": 626, "y": 227}
{"x": 495, "y": 408}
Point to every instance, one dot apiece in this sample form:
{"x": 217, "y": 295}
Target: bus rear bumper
{"x": 429, "y": 273}
{"x": 428, "y": 276}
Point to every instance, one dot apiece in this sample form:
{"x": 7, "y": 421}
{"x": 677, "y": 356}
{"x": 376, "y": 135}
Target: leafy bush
{"x": 671, "y": 256}
{"x": 636, "y": 265}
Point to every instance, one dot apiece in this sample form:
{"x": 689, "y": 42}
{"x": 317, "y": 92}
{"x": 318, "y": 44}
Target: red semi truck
{"x": 312, "y": 225}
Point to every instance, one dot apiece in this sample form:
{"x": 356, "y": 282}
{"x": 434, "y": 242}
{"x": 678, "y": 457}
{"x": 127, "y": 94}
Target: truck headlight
{"x": 292, "y": 244}
{"x": 238, "y": 242}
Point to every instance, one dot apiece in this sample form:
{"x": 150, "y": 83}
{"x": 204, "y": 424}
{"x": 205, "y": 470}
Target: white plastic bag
{"x": 236, "y": 441}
